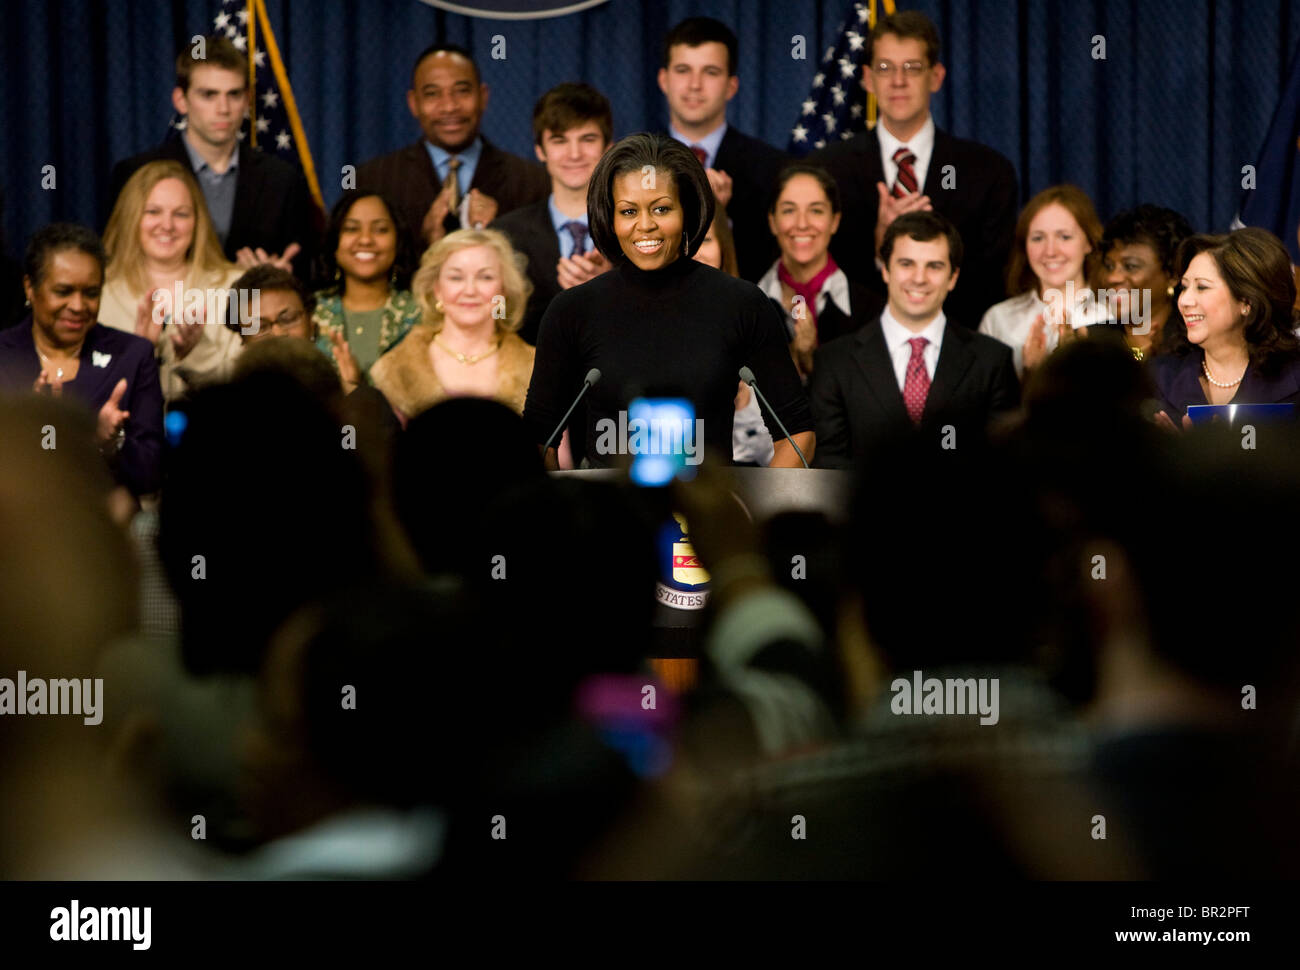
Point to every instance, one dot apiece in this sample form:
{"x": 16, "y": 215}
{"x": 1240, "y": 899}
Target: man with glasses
{"x": 906, "y": 164}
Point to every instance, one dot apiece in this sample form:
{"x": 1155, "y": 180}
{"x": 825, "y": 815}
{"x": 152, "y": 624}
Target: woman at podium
{"x": 660, "y": 321}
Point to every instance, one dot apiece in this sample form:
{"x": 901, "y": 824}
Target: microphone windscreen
{"x": 747, "y": 375}
{"x": 593, "y": 376}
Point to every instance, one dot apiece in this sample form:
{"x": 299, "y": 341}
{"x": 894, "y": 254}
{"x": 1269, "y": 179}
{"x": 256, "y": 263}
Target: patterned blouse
{"x": 401, "y": 313}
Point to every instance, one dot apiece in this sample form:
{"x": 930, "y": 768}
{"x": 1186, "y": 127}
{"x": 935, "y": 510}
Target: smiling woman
{"x": 61, "y": 350}
{"x": 661, "y": 322}
{"x": 366, "y": 306}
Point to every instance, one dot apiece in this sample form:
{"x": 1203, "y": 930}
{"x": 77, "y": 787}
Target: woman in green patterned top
{"x": 369, "y": 307}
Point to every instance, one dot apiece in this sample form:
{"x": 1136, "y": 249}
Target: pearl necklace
{"x": 1205, "y": 366}
{"x": 466, "y": 358}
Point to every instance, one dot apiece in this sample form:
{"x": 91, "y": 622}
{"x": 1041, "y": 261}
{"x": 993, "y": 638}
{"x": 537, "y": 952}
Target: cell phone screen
{"x": 663, "y": 439}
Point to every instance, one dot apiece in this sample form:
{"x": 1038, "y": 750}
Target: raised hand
{"x": 482, "y": 209}
{"x": 578, "y": 269}
{"x": 349, "y": 371}
{"x": 111, "y": 415}
{"x": 151, "y": 314}
{"x": 187, "y": 330}
{"x": 248, "y": 258}
{"x": 721, "y": 185}
{"x": 432, "y": 228}
{"x": 890, "y": 208}
{"x": 1035, "y": 348}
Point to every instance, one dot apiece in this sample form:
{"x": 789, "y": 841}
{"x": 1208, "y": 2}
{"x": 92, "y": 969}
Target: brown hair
{"x": 908, "y": 23}
{"x": 1020, "y": 276}
{"x": 122, "y": 236}
{"x": 726, "y": 242}
{"x": 514, "y": 283}
{"x": 218, "y": 51}
{"x": 1256, "y": 268}
{"x": 569, "y": 105}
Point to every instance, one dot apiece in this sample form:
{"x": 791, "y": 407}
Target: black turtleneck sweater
{"x": 684, "y": 330}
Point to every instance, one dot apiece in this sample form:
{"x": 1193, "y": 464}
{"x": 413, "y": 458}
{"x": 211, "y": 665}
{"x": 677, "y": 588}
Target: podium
{"x": 765, "y": 493}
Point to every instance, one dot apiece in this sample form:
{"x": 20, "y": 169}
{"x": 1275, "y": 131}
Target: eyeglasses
{"x": 283, "y": 322}
{"x": 888, "y": 68}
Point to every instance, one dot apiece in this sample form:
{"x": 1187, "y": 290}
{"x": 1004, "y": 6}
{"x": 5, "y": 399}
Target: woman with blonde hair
{"x": 472, "y": 292}
{"x": 159, "y": 237}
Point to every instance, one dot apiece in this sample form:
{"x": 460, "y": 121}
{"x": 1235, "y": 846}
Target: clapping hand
{"x": 111, "y": 416}
{"x": 891, "y": 208}
{"x": 577, "y": 269}
{"x": 721, "y": 184}
{"x": 349, "y": 371}
{"x": 248, "y": 258}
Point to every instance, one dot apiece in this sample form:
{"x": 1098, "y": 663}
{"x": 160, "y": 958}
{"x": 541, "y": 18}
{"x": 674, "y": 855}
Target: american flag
{"x": 837, "y": 106}
{"x": 273, "y": 122}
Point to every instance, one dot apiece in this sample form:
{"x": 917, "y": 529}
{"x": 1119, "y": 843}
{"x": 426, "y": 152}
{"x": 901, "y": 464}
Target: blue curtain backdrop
{"x": 1181, "y": 102}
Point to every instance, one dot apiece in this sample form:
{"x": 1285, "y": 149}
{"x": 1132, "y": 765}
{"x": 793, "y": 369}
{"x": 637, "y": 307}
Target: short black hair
{"x": 445, "y": 49}
{"x": 663, "y": 154}
{"x": 266, "y": 277}
{"x": 328, "y": 265}
{"x": 694, "y": 31}
{"x": 1161, "y": 229}
{"x": 54, "y": 238}
{"x": 923, "y": 226}
{"x": 822, "y": 176}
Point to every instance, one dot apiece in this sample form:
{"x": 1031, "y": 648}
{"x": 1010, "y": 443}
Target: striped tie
{"x": 905, "y": 184}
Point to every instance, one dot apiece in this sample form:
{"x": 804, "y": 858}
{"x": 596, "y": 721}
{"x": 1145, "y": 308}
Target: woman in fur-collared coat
{"x": 473, "y": 292}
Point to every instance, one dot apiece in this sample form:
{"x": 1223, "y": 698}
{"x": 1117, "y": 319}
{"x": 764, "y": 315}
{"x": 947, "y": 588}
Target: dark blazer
{"x": 531, "y": 233}
{"x": 753, "y": 166}
{"x": 857, "y": 405}
{"x": 864, "y": 305}
{"x": 1177, "y": 380}
{"x": 138, "y": 465}
{"x": 407, "y": 177}
{"x": 982, "y": 204}
{"x": 273, "y": 206}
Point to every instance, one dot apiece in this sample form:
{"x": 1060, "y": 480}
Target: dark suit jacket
{"x": 753, "y": 166}
{"x": 107, "y": 356}
{"x": 857, "y": 404}
{"x": 982, "y": 204}
{"x": 408, "y": 179}
{"x": 864, "y": 305}
{"x": 1177, "y": 380}
{"x": 273, "y": 206}
{"x": 531, "y": 233}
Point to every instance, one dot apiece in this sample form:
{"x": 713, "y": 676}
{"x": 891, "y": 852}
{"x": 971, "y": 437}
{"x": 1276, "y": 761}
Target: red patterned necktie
{"x": 905, "y": 184}
{"x": 701, "y": 154}
{"x": 916, "y": 385}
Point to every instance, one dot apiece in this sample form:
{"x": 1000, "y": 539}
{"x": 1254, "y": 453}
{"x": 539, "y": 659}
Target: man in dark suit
{"x": 905, "y": 164}
{"x": 573, "y": 124}
{"x": 260, "y": 205}
{"x": 698, "y": 78}
{"x": 908, "y": 370}
{"x": 452, "y": 177}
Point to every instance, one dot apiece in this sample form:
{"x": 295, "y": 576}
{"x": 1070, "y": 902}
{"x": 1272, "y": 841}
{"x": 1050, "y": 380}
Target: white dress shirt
{"x": 900, "y": 351}
{"x": 1011, "y": 320}
{"x": 921, "y": 145}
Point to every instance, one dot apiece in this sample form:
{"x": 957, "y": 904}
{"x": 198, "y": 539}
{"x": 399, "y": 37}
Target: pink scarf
{"x": 810, "y": 289}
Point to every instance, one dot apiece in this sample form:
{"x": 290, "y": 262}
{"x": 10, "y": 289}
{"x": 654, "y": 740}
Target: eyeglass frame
{"x": 891, "y": 69}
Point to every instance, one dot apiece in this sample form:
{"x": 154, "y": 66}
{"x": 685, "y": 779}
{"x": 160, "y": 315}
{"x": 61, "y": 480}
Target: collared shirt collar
{"x": 710, "y": 142}
{"x": 558, "y": 219}
{"x": 199, "y": 163}
{"x": 921, "y": 145}
{"x": 897, "y": 335}
{"x": 835, "y": 289}
{"x": 468, "y": 158}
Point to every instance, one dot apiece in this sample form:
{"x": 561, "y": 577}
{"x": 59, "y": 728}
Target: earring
{"x": 1169, "y": 290}
{"x": 27, "y": 302}
{"x": 392, "y": 277}
{"x": 438, "y": 306}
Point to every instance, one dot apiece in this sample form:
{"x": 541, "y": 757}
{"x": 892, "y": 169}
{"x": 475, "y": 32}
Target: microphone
{"x": 593, "y": 376}
{"x": 747, "y": 376}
